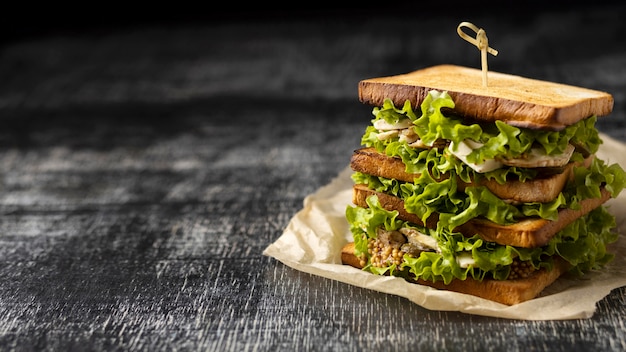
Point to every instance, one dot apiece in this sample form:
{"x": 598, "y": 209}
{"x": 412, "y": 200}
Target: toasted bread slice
{"x": 517, "y": 100}
{"x": 528, "y": 233}
{"x": 541, "y": 189}
{"x": 507, "y": 292}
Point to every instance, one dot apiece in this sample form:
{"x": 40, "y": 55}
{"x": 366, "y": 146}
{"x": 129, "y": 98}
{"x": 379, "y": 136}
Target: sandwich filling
{"x": 387, "y": 245}
{"x": 432, "y": 152}
{"x": 450, "y": 158}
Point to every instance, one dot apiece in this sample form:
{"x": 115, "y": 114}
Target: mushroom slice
{"x": 383, "y": 125}
{"x": 537, "y": 157}
{"x": 416, "y": 238}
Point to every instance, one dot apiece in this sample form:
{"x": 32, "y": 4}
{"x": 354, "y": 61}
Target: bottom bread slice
{"x": 507, "y": 292}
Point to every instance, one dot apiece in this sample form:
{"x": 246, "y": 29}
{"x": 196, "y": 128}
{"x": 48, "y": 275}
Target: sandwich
{"x": 493, "y": 191}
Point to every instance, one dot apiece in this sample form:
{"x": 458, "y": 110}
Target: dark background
{"x": 27, "y": 21}
{"x": 148, "y": 155}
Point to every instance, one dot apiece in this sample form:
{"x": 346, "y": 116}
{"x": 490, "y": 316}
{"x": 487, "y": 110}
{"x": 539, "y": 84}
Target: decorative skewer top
{"x": 481, "y": 42}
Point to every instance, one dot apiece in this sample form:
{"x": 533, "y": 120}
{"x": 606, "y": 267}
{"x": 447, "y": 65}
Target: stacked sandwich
{"x": 493, "y": 191}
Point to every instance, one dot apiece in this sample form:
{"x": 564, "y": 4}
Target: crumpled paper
{"x": 313, "y": 239}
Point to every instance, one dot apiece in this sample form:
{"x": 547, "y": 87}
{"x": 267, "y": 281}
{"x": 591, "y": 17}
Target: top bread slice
{"x": 516, "y": 100}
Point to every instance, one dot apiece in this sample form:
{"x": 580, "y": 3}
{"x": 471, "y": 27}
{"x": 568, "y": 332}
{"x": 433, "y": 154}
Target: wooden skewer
{"x": 481, "y": 42}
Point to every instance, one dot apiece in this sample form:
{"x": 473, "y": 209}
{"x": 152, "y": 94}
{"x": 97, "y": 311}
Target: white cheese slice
{"x": 383, "y": 125}
{"x": 463, "y": 149}
{"x": 383, "y": 136}
{"x": 464, "y": 259}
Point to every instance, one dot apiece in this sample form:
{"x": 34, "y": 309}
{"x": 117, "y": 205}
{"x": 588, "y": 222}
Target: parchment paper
{"x": 313, "y": 239}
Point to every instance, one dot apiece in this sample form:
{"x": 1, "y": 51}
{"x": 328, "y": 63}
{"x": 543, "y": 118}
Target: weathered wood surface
{"x": 144, "y": 170}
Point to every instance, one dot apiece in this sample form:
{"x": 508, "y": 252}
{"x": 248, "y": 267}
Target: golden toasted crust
{"x": 519, "y": 101}
{"x": 370, "y": 161}
{"x": 348, "y": 257}
{"x": 542, "y": 189}
{"x": 507, "y": 292}
{"x": 528, "y": 233}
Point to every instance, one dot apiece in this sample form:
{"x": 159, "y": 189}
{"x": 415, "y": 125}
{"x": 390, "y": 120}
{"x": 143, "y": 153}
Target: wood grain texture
{"x": 144, "y": 170}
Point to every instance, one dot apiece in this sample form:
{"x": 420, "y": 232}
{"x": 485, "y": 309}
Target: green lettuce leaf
{"x": 433, "y": 125}
{"x": 582, "y": 243}
{"x": 426, "y": 196}
{"x": 499, "y": 139}
{"x": 391, "y": 114}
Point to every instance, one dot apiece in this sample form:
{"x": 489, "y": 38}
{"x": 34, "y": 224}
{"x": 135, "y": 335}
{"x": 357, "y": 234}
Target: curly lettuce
{"x": 435, "y": 191}
{"x": 582, "y": 244}
{"x": 426, "y": 196}
{"x": 498, "y": 139}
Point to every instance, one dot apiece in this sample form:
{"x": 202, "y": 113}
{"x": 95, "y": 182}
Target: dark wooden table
{"x": 144, "y": 169}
